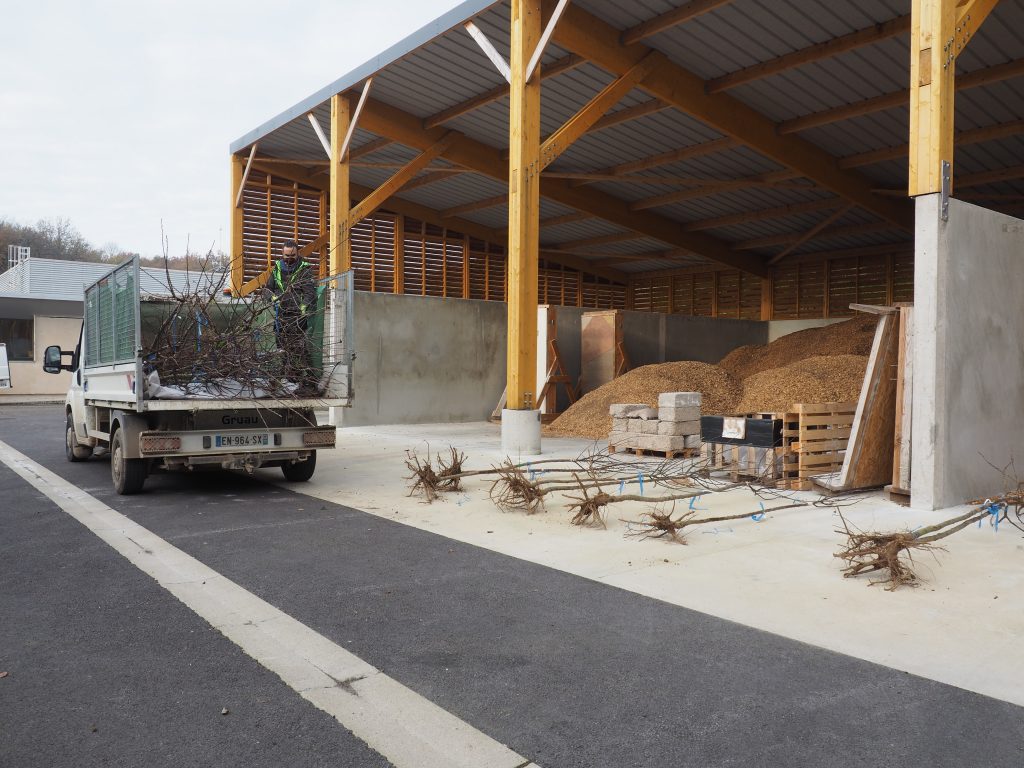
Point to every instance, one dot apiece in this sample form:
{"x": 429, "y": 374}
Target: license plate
{"x": 242, "y": 441}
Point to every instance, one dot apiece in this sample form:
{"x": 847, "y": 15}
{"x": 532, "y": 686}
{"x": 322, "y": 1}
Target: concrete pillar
{"x": 520, "y": 433}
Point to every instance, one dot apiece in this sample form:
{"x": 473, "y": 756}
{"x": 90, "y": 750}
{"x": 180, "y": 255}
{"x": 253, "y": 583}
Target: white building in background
{"x": 41, "y": 304}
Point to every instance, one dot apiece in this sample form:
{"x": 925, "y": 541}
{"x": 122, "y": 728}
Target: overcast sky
{"x": 117, "y": 115}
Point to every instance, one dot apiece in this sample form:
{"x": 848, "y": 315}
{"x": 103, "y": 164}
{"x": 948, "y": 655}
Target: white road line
{"x": 395, "y": 721}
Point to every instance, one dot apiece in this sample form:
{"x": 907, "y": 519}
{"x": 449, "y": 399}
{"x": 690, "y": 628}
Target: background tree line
{"x": 58, "y": 238}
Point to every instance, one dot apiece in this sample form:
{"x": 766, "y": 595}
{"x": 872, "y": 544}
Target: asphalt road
{"x": 106, "y": 668}
{"x": 565, "y": 671}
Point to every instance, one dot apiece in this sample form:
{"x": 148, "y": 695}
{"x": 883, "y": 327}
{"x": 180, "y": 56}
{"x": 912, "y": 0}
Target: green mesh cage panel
{"x": 110, "y": 318}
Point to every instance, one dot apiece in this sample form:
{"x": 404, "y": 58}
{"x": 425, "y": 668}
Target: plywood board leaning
{"x": 554, "y": 373}
{"x": 496, "y": 413}
{"x": 904, "y": 402}
{"x": 601, "y": 349}
{"x": 869, "y": 455}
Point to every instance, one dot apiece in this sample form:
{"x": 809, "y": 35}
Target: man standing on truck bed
{"x": 292, "y": 288}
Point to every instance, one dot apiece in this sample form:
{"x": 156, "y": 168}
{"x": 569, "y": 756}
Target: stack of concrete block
{"x": 672, "y": 427}
{"x": 678, "y": 423}
{"x": 630, "y": 421}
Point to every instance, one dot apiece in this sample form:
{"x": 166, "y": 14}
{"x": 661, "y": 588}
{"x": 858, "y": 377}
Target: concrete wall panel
{"x": 968, "y": 352}
{"x": 422, "y": 360}
{"x": 653, "y": 338}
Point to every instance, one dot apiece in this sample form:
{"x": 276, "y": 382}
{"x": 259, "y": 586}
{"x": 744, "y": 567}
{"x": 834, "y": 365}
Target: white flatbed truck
{"x": 108, "y": 406}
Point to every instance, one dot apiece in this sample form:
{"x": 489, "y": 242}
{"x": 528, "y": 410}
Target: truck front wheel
{"x": 129, "y": 475}
{"x": 72, "y": 449}
{"x": 300, "y": 471}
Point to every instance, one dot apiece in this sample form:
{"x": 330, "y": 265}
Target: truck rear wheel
{"x": 300, "y": 471}
{"x": 129, "y": 475}
{"x": 72, "y": 449}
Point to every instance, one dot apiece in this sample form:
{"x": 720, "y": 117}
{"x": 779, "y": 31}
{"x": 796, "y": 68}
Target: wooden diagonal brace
{"x": 539, "y": 50}
{"x": 970, "y": 15}
{"x": 591, "y": 112}
{"x": 811, "y": 233}
{"x": 355, "y": 118}
{"x": 245, "y": 175}
{"x": 375, "y": 199}
{"x": 488, "y": 48}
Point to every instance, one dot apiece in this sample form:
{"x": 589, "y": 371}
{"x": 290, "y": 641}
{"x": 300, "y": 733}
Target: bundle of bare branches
{"x": 431, "y": 482}
{"x": 521, "y": 488}
{"x": 199, "y": 344}
{"x": 657, "y": 523}
{"x": 893, "y": 553}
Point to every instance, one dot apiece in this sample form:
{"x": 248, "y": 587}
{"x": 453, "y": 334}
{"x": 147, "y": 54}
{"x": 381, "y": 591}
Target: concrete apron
{"x": 778, "y": 575}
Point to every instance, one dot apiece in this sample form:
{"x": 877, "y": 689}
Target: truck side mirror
{"x": 52, "y": 360}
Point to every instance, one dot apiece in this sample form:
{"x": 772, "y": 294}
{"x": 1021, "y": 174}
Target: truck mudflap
{"x": 272, "y": 441}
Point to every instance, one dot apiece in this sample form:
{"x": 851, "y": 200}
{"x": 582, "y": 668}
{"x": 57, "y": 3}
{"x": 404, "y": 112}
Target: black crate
{"x": 760, "y": 433}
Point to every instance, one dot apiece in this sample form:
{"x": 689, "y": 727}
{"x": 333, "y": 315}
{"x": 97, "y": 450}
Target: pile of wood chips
{"x": 822, "y": 379}
{"x": 589, "y": 418}
{"x": 852, "y": 337}
{"x": 818, "y": 365}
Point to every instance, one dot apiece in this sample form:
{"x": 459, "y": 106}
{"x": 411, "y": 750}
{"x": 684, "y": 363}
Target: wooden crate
{"x": 815, "y": 438}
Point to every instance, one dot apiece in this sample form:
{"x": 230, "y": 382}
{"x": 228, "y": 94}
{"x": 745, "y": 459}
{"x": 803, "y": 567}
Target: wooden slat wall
{"x": 440, "y": 262}
{"x": 373, "y": 253}
{"x": 391, "y": 253}
{"x": 274, "y": 211}
{"x": 701, "y": 294}
{"x": 903, "y": 278}
{"x": 802, "y": 290}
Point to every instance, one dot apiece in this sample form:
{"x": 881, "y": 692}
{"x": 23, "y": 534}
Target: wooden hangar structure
{"x": 728, "y": 158}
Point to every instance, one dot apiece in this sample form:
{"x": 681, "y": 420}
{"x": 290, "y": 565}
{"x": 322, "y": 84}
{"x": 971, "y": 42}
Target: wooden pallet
{"x": 815, "y": 438}
{"x": 745, "y": 462}
{"x": 685, "y": 453}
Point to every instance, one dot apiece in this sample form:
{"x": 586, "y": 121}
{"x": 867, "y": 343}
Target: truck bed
{"x": 312, "y": 403}
{"x": 121, "y": 357}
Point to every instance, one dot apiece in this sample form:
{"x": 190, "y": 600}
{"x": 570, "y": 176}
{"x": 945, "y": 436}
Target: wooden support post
{"x": 325, "y": 250}
{"x": 932, "y": 82}
{"x": 523, "y": 208}
{"x": 340, "y": 196}
{"x": 235, "y": 249}
{"x": 939, "y": 32}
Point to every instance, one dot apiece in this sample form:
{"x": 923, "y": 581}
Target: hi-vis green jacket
{"x": 295, "y": 291}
